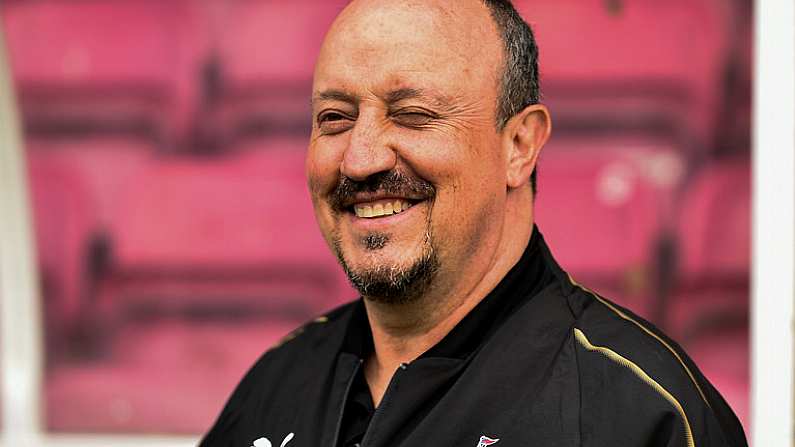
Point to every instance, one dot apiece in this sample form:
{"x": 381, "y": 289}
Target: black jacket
{"x": 564, "y": 367}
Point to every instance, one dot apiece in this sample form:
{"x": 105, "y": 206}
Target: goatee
{"x": 390, "y": 283}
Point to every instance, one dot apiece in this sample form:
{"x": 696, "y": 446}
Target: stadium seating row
{"x": 155, "y": 63}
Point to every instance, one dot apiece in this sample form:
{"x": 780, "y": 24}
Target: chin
{"x": 382, "y": 272}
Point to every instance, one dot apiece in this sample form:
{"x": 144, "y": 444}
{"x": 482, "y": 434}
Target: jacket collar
{"x": 534, "y": 271}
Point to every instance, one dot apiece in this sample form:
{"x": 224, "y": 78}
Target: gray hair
{"x": 519, "y": 86}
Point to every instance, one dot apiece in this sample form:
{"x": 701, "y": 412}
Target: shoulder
{"x": 283, "y": 370}
{"x": 308, "y": 348}
{"x": 323, "y": 334}
{"x": 316, "y": 330}
{"x": 616, "y": 335}
{"x": 625, "y": 360}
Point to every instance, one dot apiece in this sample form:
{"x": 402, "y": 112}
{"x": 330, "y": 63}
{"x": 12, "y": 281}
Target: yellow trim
{"x": 646, "y": 330}
{"x": 614, "y": 356}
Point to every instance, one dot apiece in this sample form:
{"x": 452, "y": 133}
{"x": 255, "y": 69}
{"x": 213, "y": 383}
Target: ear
{"x": 523, "y": 137}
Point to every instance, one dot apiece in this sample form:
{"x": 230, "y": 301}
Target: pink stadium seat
{"x": 267, "y": 58}
{"x": 715, "y": 227}
{"x": 668, "y": 40}
{"x": 62, "y": 214}
{"x": 117, "y": 63}
{"x": 105, "y": 164}
{"x": 194, "y": 211}
{"x": 240, "y": 227}
{"x": 281, "y": 157}
{"x": 715, "y": 252}
{"x": 612, "y": 54}
{"x": 274, "y": 42}
{"x": 165, "y": 377}
{"x": 601, "y": 204}
{"x": 62, "y": 43}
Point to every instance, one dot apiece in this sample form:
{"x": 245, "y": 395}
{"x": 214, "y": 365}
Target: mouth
{"x": 381, "y": 199}
{"x": 375, "y": 209}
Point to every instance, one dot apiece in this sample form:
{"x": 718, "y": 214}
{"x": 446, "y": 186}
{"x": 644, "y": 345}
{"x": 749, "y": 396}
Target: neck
{"x": 403, "y": 332}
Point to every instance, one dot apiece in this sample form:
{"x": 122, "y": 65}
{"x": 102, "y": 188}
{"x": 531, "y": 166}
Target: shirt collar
{"x": 531, "y": 274}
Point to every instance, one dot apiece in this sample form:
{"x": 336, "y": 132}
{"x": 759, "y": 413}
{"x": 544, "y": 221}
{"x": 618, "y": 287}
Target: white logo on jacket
{"x": 485, "y": 441}
{"x": 263, "y": 442}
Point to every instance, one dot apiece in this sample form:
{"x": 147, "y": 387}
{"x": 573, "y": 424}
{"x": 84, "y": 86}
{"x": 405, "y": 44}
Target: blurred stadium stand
{"x": 165, "y": 145}
{"x": 601, "y": 204}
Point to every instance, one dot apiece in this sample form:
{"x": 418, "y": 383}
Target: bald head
{"x": 396, "y": 38}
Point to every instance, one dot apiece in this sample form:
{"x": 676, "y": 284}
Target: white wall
{"x": 773, "y": 224}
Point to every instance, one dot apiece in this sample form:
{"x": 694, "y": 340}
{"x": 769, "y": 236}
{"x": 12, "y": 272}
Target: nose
{"x": 368, "y": 152}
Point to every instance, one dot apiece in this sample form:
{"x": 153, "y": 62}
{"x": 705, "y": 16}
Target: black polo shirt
{"x": 528, "y": 277}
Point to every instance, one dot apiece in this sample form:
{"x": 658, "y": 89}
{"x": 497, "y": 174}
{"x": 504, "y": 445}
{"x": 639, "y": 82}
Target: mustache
{"x": 391, "y": 182}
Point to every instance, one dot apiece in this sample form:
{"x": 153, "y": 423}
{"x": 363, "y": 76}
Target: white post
{"x": 773, "y": 224}
{"x": 20, "y": 327}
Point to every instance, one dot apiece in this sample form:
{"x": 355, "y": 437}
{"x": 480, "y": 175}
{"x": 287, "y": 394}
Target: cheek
{"x": 464, "y": 175}
{"x": 323, "y": 161}
{"x": 467, "y": 223}
{"x": 470, "y": 181}
{"x": 454, "y": 157}
{"x": 322, "y": 173}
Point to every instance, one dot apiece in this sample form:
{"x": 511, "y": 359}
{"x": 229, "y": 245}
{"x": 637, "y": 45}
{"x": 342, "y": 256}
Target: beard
{"x": 392, "y": 284}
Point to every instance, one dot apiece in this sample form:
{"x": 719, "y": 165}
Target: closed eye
{"x": 413, "y": 118}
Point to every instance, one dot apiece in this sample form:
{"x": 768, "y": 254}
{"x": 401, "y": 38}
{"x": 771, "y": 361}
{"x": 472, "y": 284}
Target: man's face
{"x": 405, "y": 166}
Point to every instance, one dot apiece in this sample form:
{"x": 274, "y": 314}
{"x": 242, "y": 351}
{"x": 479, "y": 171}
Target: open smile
{"x": 381, "y": 208}
{"x": 381, "y": 214}
{"x": 379, "y": 205}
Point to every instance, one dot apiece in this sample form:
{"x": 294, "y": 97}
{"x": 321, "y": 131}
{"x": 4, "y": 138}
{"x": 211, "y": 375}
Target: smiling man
{"x": 426, "y": 132}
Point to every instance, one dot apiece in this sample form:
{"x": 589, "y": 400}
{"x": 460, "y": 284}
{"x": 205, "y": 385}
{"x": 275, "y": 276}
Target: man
{"x": 426, "y": 133}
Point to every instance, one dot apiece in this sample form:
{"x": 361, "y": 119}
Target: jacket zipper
{"x": 383, "y": 404}
{"x": 345, "y": 402}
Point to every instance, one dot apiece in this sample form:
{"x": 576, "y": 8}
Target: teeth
{"x": 381, "y": 209}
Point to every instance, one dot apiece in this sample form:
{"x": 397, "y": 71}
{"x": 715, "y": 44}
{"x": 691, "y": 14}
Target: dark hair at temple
{"x": 519, "y": 86}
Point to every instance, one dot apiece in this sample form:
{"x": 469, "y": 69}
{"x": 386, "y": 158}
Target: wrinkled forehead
{"x": 383, "y": 44}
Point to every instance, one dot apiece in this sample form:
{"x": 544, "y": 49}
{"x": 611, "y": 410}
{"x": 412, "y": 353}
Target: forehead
{"x": 380, "y": 45}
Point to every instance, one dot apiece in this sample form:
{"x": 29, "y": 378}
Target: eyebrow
{"x": 390, "y": 98}
{"x": 415, "y": 93}
{"x": 335, "y": 95}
